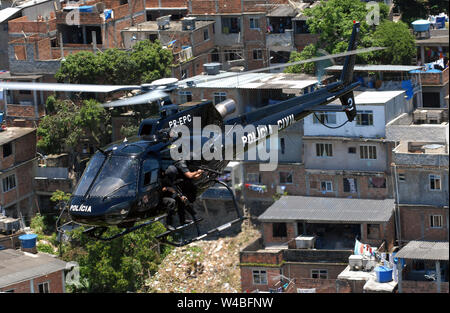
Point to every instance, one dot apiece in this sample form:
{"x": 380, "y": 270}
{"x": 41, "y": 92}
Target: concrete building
{"x": 309, "y": 240}
{"x": 353, "y": 160}
{"x": 17, "y": 163}
{"x": 22, "y": 272}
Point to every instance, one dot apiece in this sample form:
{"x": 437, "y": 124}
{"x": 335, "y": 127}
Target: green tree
{"x": 308, "y": 52}
{"x": 399, "y": 43}
{"x": 144, "y": 63}
{"x": 62, "y": 130}
{"x": 412, "y": 10}
{"x": 120, "y": 265}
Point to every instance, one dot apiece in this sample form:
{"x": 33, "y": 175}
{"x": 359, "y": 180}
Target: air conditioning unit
{"x": 9, "y": 224}
{"x": 355, "y": 262}
{"x": 305, "y": 242}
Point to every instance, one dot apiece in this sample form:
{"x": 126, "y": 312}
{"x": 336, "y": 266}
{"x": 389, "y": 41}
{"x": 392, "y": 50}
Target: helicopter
{"x": 121, "y": 184}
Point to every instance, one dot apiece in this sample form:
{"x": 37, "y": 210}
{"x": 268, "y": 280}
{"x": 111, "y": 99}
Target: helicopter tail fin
{"x": 349, "y": 63}
{"x": 348, "y": 100}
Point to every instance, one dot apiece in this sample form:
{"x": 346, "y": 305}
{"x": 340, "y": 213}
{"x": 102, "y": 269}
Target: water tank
{"x": 212, "y": 68}
{"x": 384, "y": 274}
{"x": 28, "y": 243}
{"x": 421, "y": 25}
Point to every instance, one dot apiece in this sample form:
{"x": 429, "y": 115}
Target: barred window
{"x": 324, "y": 149}
{"x": 9, "y": 183}
{"x": 364, "y": 118}
{"x": 368, "y": 152}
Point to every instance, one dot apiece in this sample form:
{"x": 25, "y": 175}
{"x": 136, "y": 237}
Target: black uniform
{"x": 171, "y": 194}
{"x": 188, "y": 189}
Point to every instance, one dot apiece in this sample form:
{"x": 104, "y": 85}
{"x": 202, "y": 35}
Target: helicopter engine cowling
{"x": 226, "y": 107}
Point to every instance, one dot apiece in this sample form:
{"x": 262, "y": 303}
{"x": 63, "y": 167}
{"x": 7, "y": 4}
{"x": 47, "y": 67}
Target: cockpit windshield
{"x": 118, "y": 177}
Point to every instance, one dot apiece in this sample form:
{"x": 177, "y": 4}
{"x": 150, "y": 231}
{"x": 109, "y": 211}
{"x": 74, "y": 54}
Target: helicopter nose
{"x": 117, "y": 213}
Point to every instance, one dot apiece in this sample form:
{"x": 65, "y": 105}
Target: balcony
{"x": 50, "y": 179}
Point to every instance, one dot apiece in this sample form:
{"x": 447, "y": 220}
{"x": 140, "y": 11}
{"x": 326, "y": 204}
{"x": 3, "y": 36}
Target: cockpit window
{"x": 118, "y": 178}
{"x": 89, "y": 174}
{"x": 150, "y": 169}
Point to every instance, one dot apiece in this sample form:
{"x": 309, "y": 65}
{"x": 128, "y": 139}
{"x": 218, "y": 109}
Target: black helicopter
{"x": 121, "y": 184}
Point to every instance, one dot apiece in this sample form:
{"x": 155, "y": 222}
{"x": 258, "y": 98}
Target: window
{"x": 285, "y": 178}
{"x": 352, "y": 150}
{"x": 373, "y": 231}
{"x": 254, "y": 23}
{"x": 257, "y": 54}
{"x": 231, "y": 25}
{"x": 282, "y": 145}
{"x": 368, "y": 152}
{"x": 205, "y": 34}
{"x": 364, "y": 118}
{"x": 259, "y": 277}
{"x": 326, "y": 186}
{"x": 325, "y": 118}
{"x": 7, "y": 149}
{"x": 436, "y": 221}
{"x": 350, "y": 185}
{"x": 185, "y": 96}
{"x": 219, "y": 97}
{"x": 435, "y": 182}
{"x": 44, "y": 287}
{"x": 377, "y": 182}
{"x": 319, "y": 274}
{"x": 254, "y": 178}
{"x": 9, "y": 183}
{"x": 150, "y": 169}
{"x": 324, "y": 150}
{"x": 401, "y": 177}
{"x": 279, "y": 230}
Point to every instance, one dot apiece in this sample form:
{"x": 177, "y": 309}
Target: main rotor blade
{"x": 315, "y": 59}
{"x": 65, "y": 87}
{"x": 139, "y": 99}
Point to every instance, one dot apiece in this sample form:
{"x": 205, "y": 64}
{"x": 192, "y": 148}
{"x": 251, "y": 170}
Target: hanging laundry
{"x": 258, "y": 188}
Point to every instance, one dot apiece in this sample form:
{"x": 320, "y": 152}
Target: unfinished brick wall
{"x": 267, "y": 229}
{"x": 302, "y": 40}
{"x": 415, "y": 223}
{"x": 37, "y": 27}
{"x": 433, "y": 79}
{"x": 44, "y": 49}
{"x": 410, "y": 286}
{"x": 247, "y": 284}
{"x": 20, "y": 52}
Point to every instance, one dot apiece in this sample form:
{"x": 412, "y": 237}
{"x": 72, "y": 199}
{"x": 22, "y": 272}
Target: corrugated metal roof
{"x": 375, "y": 68}
{"x": 5, "y": 14}
{"x": 325, "y": 209}
{"x": 424, "y": 250}
{"x": 16, "y": 266}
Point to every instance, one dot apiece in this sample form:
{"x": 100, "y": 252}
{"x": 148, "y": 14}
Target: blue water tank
{"x": 421, "y": 25}
{"x": 28, "y": 241}
{"x": 384, "y": 274}
{"x": 86, "y": 8}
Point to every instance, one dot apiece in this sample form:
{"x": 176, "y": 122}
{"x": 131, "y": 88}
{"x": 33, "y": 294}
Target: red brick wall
{"x": 270, "y": 239}
{"x": 298, "y": 186}
{"x": 302, "y": 40}
{"x": 20, "y": 52}
{"x": 409, "y": 286}
{"x": 411, "y": 223}
{"x": 23, "y": 24}
{"x": 44, "y": 49}
{"x": 25, "y": 147}
{"x": 303, "y": 270}
{"x": 247, "y": 278}
{"x": 274, "y": 258}
{"x": 55, "y": 281}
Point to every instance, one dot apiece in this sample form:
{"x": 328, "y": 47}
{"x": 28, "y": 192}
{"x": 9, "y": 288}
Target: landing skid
{"x": 97, "y": 232}
{"x": 163, "y": 237}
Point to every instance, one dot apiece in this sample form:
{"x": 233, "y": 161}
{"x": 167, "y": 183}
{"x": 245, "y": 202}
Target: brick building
{"x": 17, "y": 163}
{"x": 190, "y": 41}
{"x": 330, "y": 225}
{"x": 22, "y": 272}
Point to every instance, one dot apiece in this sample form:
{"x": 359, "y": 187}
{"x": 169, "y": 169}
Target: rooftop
{"x": 175, "y": 26}
{"x": 12, "y": 133}
{"x": 424, "y": 250}
{"x": 377, "y": 97}
{"x": 325, "y": 209}
{"x": 17, "y": 266}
